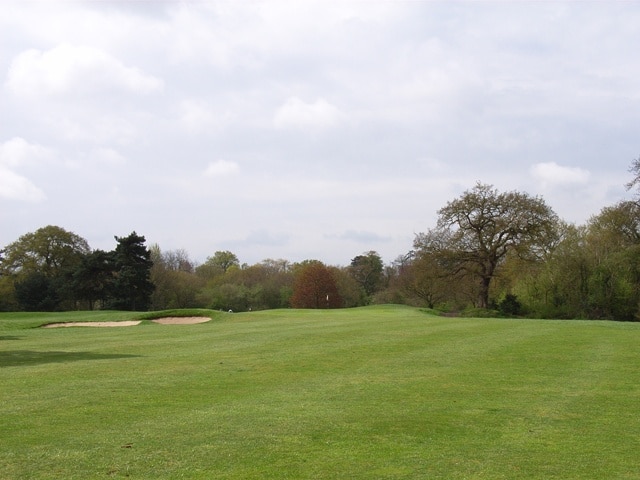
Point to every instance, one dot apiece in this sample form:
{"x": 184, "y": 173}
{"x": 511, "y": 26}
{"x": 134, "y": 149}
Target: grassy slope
{"x": 378, "y": 392}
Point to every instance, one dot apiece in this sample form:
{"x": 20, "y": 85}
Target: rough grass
{"x": 377, "y": 392}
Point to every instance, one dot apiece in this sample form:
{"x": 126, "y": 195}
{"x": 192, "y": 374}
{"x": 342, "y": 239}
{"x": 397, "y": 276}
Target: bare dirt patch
{"x": 181, "y": 320}
{"x": 127, "y": 323}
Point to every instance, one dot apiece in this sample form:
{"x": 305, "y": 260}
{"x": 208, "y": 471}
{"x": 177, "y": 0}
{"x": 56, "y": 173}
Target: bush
{"x": 510, "y": 306}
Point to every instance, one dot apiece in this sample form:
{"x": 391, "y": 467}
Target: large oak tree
{"x": 476, "y": 231}
{"x": 39, "y": 266}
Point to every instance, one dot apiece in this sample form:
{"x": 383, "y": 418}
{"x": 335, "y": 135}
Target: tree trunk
{"x": 483, "y": 295}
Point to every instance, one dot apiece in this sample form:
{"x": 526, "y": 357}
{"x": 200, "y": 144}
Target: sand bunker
{"x": 130, "y": 323}
{"x": 181, "y": 320}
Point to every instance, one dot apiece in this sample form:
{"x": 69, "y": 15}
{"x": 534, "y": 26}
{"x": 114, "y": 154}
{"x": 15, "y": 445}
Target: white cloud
{"x": 295, "y": 113}
{"x": 16, "y": 153}
{"x": 550, "y": 173}
{"x": 229, "y": 35}
{"x": 18, "y": 187}
{"x": 94, "y": 126}
{"x": 221, "y": 168}
{"x": 73, "y": 69}
{"x": 96, "y": 158}
{"x": 108, "y": 156}
{"x": 196, "y": 117}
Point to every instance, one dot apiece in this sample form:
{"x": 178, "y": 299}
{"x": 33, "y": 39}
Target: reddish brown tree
{"x": 315, "y": 287}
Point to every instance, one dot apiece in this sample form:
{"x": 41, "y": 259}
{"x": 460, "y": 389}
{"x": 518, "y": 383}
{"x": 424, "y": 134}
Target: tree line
{"x": 53, "y": 269}
{"x": 490, "y": 253}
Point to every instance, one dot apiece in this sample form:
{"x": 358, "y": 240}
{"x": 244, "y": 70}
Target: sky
{"x": 303, "y": 129}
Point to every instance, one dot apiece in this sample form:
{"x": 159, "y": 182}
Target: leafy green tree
{"x": 367, "y": 270}
{"x": 617, "y": 226}
{"x": 224, "y": 260}
{"x": 351, "y": 292}
{"x": 49, "y": 250}
{"x": 268, "y": 281}
{"x": 48, "y": 258}
{"x": 267, "y": 284}
{"x": 175, "y": 283}
{"x": 230, "y": 296}
{"x": 218, "y": 264}
{"x": 613, "y": 245}
{"x": 565, "y": 279}
{"x": 8, "y": 300}
{"x": 593, "y": 272}
{"x": 475, "y": 232}
{"x": 132, "y": 285}
{"x": 277, "y": 285}
{"x": 423, "y": 277}
{"x": 314, "y": 286}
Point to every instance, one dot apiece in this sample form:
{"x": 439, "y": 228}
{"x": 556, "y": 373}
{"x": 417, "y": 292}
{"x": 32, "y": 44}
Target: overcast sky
{"x": 307, "y": 130}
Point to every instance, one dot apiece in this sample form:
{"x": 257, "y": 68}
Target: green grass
{"x": 370, "y": 393}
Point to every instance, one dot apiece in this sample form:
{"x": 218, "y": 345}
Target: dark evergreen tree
{"x": 37, "y": 292}
{"x": 93, "y": 280}
{"x": 132, "y": 287}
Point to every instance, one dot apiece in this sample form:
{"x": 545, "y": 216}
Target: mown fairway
{"x": 370, "y": 393}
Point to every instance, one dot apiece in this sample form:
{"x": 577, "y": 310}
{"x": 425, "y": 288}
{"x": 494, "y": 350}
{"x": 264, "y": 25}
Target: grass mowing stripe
{"x": 378, "y": 392}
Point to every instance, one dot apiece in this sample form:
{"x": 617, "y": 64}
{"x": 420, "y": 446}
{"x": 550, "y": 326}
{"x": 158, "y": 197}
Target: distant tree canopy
{"x": 219, "y": 263}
